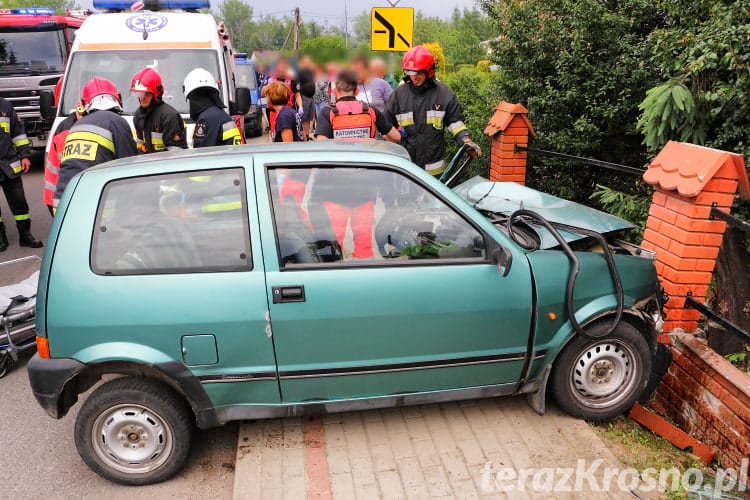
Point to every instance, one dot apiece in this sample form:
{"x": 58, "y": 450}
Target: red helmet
{"x": 99, "y": 86}
{"x": 147, "y": 80}
{"x": 419, "y": 59}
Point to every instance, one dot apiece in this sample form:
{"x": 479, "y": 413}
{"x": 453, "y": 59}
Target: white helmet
{"x": 198, "y": 78}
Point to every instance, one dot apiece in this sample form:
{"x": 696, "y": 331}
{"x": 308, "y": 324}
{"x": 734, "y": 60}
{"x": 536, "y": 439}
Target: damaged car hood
{"x": 507, "y": 197}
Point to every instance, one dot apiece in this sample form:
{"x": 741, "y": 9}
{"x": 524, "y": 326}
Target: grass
{"x": 639, "y": 448}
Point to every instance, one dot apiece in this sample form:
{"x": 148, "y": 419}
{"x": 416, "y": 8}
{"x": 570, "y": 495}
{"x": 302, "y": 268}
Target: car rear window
{"x": 189, "y": 222}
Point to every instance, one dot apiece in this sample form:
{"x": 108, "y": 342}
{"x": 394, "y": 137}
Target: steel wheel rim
{"x": 604, "y": 374}
{"x": 132, "y": 439}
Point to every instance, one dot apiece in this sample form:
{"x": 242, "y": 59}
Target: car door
{"x": 378, "y": 286}
{"x": 176, "y": 275}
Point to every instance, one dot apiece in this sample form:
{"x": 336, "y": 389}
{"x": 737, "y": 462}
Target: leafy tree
{"x": 702, "y": 52}
{"x": 581, "y": 69}
{"x": 237, "y": 17}
{"x": 324, "y": 47}
{"x": 438, "y": 54}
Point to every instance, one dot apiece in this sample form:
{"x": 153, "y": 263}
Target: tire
{"x": 6, "y": 363}
{"x": 150, "y": 424}
{"x": 602, "y": 378}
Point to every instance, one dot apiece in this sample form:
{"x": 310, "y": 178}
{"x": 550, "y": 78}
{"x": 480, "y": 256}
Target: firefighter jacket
{"x": 159, "y": 128}
{"x": 52, "y": 166}
{"x": 214, "y": 127}
{"x": 424, "y": 113}
{"x": 96, "y": 138}
{"x": 14, "y": 144}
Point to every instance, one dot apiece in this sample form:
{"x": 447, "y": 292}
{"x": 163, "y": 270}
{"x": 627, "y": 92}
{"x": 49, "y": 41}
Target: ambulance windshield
{"x": 119, "y": 66}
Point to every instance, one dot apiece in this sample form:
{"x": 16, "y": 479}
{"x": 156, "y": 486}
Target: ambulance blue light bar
{"x": 37, "y": 11}
{"x": 152, "y": 4}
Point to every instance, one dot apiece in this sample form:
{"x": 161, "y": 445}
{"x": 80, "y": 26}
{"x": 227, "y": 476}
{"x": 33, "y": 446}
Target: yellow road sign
{"x": 392, "y": 28}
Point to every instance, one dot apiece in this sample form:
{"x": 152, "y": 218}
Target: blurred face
{"x": 307, "y": 63}
{"x": 282, "y": 68}
{"x": 145, "y": 98}
{"x": 417, "y": 78}
{"x": 377, "y": 68}
{"x": 363, "y": 74}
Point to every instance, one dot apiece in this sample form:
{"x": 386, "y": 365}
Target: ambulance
{"x": 171, "y": 36}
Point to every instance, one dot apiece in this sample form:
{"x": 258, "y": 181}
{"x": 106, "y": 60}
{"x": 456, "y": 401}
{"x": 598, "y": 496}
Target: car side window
{"x": 334, "y": 214}
{"x": 176, "y": 223}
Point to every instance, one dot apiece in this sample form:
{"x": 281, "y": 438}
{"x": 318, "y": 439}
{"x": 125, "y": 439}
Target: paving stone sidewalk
{"x": 469, "y": 449}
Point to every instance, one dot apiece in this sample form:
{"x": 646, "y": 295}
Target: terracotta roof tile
{"x": 687, "y": 168}
{"x": 504, "y": 114}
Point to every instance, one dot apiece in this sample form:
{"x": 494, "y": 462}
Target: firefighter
{"x": 213, "y": 126}
{"x": 15, "y": 159}
{"x": 54, "y": 157}
{"x": 350, "y": 119}
{"x": 158, "y": 126}
{"x": 99, "y": 136}
{"x": 423, "y": 108}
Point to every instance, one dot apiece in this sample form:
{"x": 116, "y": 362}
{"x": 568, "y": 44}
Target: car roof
{"x": 355, "y": 148}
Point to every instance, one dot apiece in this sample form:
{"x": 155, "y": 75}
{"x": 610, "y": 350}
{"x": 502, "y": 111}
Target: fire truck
{"x": 34, "y": 48}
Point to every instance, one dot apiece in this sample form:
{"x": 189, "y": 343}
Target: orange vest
{"x": 351, "y": 120}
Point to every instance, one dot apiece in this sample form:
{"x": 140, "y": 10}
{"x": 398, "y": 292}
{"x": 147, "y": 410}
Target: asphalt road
{"x": 38, "y": 458}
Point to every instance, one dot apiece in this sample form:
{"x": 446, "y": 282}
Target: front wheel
{"x": 601, "y": 378}
{"x": 134, "y": 431}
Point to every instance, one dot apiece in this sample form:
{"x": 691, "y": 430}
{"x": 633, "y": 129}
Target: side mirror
{"x": 47, "y": 107}
{"x": 241, "y": 101}
{"x": 503, "y": 259}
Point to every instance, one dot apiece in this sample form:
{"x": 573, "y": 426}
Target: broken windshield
{"x": 32, "y": 52}
{"x": 119, "y": 66}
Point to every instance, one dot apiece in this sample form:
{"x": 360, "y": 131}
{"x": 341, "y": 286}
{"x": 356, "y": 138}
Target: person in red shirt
{"x": 54, "y": 157}
{"x": 282, "y": 73}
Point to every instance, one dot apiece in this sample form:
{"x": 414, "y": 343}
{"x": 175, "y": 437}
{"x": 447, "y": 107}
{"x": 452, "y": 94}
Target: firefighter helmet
{"x": 99, "y": 86}
{"x": 100, "y": 93}
{"x": 198, "y": 78}
{"x": 419, "y": 59}
{"x": 147, "y": 80}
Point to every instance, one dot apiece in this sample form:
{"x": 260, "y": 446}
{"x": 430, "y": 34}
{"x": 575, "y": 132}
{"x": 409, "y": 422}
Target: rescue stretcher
{"x": 17, "y": 309}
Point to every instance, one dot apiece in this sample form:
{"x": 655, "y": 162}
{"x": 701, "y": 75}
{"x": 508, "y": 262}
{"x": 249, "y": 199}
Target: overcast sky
{"x": 333, "y": 10}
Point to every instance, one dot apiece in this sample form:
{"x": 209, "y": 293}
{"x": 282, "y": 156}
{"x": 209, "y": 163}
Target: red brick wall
{"x": 507, "y": 165}
{"x": 708, "y": 398}
{"x": 686, "y": 243}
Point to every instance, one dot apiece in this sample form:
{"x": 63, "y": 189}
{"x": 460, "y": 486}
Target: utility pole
{"x": 346, "y": 26}
{"x": 297, "y": 24}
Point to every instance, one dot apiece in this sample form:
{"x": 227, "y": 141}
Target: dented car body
{"x": 225, "y": 283}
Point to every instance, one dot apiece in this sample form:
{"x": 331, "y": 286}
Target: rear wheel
{"x": 602, "y": 378}
{"x": 134, "y": 431}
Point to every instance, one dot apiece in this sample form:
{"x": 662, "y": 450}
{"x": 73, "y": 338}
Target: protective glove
{"x": 301, "y": 111}
{"x": 472, "y": 148}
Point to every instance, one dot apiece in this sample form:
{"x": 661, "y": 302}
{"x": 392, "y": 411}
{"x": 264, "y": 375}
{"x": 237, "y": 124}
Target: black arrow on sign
{"x": 391, "y": 31}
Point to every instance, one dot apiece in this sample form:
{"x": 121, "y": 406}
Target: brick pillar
{"x": 509, "y": 127}
{"x": 688, "y": 180}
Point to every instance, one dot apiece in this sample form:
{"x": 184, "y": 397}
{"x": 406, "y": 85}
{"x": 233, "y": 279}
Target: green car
{"x": 280, "y": 280}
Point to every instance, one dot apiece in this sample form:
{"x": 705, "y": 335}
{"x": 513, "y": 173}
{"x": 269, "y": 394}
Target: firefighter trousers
{"x": 13, "y": 189}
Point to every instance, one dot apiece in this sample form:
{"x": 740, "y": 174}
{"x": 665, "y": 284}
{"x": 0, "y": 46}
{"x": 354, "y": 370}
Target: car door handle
{"x": 290, "y": 293}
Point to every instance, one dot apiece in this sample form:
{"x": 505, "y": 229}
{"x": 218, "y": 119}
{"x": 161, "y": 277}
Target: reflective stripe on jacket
{"x": 14, "y": 144}
{"x": 96, "y": 138}
{"x": 214, "y": 127}
{"x": 159, "y": 127}
{"x": 425, "y": 113}
{"x": 52, "y": 165}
